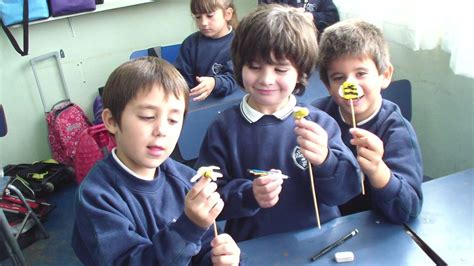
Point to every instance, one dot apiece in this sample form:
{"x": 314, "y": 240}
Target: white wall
{"x": 442, "y": 108}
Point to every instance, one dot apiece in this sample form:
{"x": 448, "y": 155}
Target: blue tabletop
{"x": 377, "y": 243}
{"x": 445, "y": 223}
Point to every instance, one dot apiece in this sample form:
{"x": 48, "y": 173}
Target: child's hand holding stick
{"x": 211, "y": 175}
{"x": 299, "y": 113}
{"x": 351, "y": 91}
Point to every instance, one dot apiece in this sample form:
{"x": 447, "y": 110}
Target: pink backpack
{"x": 93, "y": 144}
{"x": 66, "y": 121}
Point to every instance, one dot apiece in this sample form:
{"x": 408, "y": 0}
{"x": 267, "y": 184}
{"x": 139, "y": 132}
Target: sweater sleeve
{"x": 109, "y": 237}
{"x": 336, "y": 180}
{"x": 401, "y": 199}
{"x": 225, "y": 82}
{"x": 184, "y": 61}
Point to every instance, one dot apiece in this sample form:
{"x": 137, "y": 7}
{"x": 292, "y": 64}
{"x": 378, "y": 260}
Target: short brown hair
{"x": 209, "y": 6}
{"x": 276, "y": 32}
{"x": 142, "y": 75}
{"x": 355, "y": 38}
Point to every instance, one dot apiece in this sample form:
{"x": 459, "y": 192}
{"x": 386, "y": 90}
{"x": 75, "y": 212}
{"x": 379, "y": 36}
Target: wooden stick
{"x": 299, "y": 113}
{"x": 314, "y": 194}
{"x": 354, "y": 125}
{"x": 215, "y": 229}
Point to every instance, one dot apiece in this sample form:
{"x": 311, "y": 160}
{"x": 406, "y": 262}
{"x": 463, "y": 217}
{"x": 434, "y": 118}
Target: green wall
{"x": 94, "y": 44}
{"x": 442, "y": 109}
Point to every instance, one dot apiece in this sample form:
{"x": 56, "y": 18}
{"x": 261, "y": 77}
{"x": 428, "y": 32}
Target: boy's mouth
{"x": 155, "y": 150}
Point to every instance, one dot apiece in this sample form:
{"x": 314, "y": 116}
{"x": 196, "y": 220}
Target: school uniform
{"x": 202, "y": 56}
{"x": 241, "y": 138}
{"x": 324, "y": 11}
{"x": 401, "y": 199}
{"x": 121, "y": 219}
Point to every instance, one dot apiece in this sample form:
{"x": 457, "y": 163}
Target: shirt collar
{"x": 252, "y": 115}
{"x": 128, "y": 170}
{"x": 363, "y": 121}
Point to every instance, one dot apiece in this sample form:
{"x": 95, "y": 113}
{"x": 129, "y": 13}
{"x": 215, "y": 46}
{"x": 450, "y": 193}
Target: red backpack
{"x": 93, "y": 144}
{"x": 66, "y": 121}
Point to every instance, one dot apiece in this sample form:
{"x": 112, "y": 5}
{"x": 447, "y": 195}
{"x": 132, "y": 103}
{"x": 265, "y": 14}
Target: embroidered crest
{"x": 217, "y": 68}
{"x": 299, "y": 159}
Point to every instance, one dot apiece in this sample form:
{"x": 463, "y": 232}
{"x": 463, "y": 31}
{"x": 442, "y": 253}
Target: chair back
{"x": 399, "y": 92}
{"x": 167, "y": 52}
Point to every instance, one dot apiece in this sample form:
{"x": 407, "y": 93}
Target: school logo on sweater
{"x": 217, "y": 68}
{"x": 299, "y": 159}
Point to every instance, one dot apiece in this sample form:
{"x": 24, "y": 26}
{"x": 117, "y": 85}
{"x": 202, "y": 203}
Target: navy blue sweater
{"x": 123, "y": 220}
{"x": 203, "y": 56}
{"x": 402, "y": 198}
{"x": 324, "y": 11}
{"x": 235, "y": 145}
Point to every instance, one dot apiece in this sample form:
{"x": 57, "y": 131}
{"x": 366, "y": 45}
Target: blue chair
{"x": 399, "y": 92}
{"x": 168, "y": 52}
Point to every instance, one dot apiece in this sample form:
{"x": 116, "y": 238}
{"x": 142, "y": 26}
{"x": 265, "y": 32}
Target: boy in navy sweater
{"x": 137, "y": 206}
{"x": 204, "y": 58}
{"x": 384, "y": 141}
{"x": 274, "y": 51}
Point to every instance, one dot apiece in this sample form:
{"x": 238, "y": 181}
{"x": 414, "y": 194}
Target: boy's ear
{"x": 387, "y": 76}
{"x": 109, "y": 121}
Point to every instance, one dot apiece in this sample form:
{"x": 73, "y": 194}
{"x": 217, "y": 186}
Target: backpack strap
{"x": 25, "y": 32}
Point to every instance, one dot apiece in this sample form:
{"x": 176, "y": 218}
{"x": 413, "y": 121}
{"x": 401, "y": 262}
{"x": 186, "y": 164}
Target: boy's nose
{"x": 160, "y": 129}
{"x": 266, "y": 78}
{"x": 203, "y": 21}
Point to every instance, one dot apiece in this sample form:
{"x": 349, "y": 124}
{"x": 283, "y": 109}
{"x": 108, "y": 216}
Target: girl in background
{"x": 204, "y": 59}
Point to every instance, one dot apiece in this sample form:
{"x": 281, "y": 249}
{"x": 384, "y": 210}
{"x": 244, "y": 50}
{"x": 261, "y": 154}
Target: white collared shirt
{"x": 252, "y": 115}
{"x": 363, "y": 121}
{"x": 128, "y": 170}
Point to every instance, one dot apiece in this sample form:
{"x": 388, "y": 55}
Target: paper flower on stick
{"x": 300, "y": 112}
{"x": 208, "y": 172}
{"x": 350, "y": 91}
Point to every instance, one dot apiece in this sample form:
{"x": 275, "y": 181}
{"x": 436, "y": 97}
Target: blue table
{"x": 378, "y": 243}
{"x": 202, "y": 114}
{"x": 445, "y": 223}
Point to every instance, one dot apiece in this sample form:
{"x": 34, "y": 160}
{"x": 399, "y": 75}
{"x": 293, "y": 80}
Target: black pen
{"x": 335, "y": 244}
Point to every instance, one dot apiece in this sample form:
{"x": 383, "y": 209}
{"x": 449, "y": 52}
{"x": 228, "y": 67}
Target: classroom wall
{"x": 442, "y": 108}
{"x": 94, "y": 44}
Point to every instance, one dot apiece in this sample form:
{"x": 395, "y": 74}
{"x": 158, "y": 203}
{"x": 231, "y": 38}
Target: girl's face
{"x": 149, "y": 130}
{"x": 269, "y": 86}
{"x": 215, "y": 24}
{"x": 363, "y": 72}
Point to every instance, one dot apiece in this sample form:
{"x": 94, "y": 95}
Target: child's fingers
{"x": 216, "y": 209}
{"x": 201, "y": 97}
{"x": 198, "y": 90}
{"x": 267, "y": 183}
{"x": 310, "y": 131}
{"x": 225, "y": 251}
{"x": 198, "y": 187}
{"x": 272, "y": 196}
{"x": 357, "y": 132}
